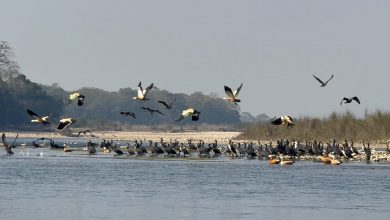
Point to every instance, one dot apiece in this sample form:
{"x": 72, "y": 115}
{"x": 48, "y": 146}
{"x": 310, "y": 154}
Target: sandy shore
{"x": 207, "y": 136}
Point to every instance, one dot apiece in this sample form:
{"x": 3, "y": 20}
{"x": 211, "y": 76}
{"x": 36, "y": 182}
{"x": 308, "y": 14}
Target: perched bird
{"x": 131, "y": 114}
{"x": 189, "y": 112}
{"x": 141, "y": 93}
{"x": 167, "y": 106}
{"x": 85, "y": 132}
{"x": 284, "y": 120}
{"x": 232, "y": 95}
{"x": 8, "y": 147}
{"x": 323, "y": 84}
{"x": 151, "y": 110}
{"x": 37, "y": 118}
{"x": 80, "y": 98}
{"x": 66, "y": 122}
{"x": 349, "y": 100}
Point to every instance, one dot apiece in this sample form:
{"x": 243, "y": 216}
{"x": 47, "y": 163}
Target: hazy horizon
{"x": 188, "y": 46}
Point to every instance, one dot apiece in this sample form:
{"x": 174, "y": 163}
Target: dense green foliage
{"x": 374, "y": 126}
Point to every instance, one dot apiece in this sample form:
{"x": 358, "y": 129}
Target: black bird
{"x": 85, "y": 132}
{"x": 323, "y": 84}
{"x": 8, "y": 147}
{"x": 151, "y": 110}
{"x": 349, "y": 100}
{"x": 131, "y": 114}
{"x": 167, "y": 106}
{"x": 284, "y": 120}
{"x": 37, "y": 118}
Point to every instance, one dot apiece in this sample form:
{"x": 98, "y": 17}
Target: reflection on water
{"x": 50, "y": 184}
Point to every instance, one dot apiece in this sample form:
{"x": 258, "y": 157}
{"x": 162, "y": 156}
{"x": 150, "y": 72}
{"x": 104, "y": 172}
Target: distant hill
{"x": 247, "y": 117}
{"x": 101, "y": 108}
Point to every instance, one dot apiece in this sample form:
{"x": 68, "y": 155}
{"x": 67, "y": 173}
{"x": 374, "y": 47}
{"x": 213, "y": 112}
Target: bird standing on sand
{"x": 232, "y": 95}
{"x": 37, "y": 118}
{"x": 66, "y": 122}
{"x": 131, "y": 114}
{"x": 80, "y": 98}
{"x": 284, "y": 120}
{"x": 349, "y": 100}
{"x": 323, "y": 84}
{"x": 141, "y": 93}
{"x": 189, "y": 112}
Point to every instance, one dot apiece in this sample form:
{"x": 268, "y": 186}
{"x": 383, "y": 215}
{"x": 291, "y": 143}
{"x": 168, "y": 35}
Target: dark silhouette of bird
{"x": 85, "y": 132}
{"x": 349, "y": 100}
{"x": 66, "y": 122}
{"x": 323, "y": 84}
{"x": 284, "y": 120}
{"x": 167, "y": 106}
{"x": 141, "y": 93}
{"x": 37, "y": 118}
{"x": 189, "y": 112}
{"x": 8, "y": 147}
{"x": 232, "y": 95}
{"x": 131, "y": 114}
{"x": 80, "y": 98}
{"x": 152, "y": 110}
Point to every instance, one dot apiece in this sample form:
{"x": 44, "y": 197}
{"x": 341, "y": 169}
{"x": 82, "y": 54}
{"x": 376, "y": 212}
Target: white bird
{"x": 75, "y": 96}
{"x": 141, "y": 93}
{"x": 189, "y": 112}
{"x": 232, "y": 95}
{"x": 66, "y": 122}
{"x": 37, "y": 118}
{"x": 284, "y": 120}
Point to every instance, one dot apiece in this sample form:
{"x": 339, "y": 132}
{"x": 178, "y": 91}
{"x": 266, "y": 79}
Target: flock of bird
{"x": 142, "y": 95}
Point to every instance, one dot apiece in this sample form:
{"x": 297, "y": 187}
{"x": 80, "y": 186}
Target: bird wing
{"x": 343, "y": 100}
{"x": 229, "y": 92}
{"x": 356, "y": 99}
{"x": 32, "y": 114}
{"x": 4, "y": 140}
{"x": 278, "y": 121}
{"x": 63, "y": 124}
{"x": 80, "y": 101}
{"x": 235, "y": 93}
{"x": 158, "y": 111}
{"x": 73, "y": 96}
{"x": 164, "y": 103}
{"x": 331, "y": 77}
{"x": 318, "y": 79}
{"x": 147, "y": 89}
{"x": 132, "y": 114}
{"x": 16, "y": 138}
{"x": 140, "y": 90}
{"x": 195, "y": 117}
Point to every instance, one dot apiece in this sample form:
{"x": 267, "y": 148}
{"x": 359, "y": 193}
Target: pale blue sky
{"x": 273, "y": 47}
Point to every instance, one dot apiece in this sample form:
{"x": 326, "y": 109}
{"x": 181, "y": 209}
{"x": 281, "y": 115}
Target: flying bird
{"x": 189, "y": 112}
{"x": 349, "y": 100}
{"x": 141, "y": 93}
{"x": 167, "y": 106}
{"x": 151, "y": 110}
{"x": 8, "y": 147}
{"x": 37, "y": 118}
{"x": 284, "y": 120}
{"x": 323, "y": 84}
{"x": 85, "y": 132}
{"x": 66, "y": 122}
{"x": 232, "y": 95}
{"x": 131, "y": 114}
{"x": 80, "y": 98}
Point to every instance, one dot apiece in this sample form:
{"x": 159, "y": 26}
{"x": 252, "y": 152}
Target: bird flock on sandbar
{"x": 284, "y": 152}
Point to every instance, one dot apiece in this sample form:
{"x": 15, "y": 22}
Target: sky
{"x": 184, "y": 46}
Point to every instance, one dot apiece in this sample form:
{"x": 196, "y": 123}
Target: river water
{"x": 45, "y": 184}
